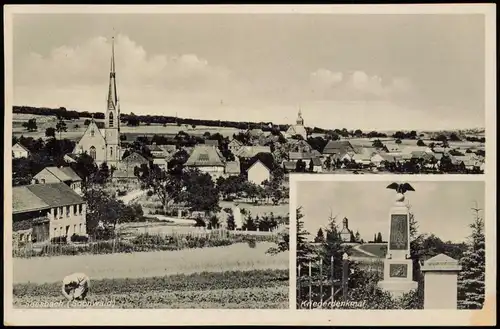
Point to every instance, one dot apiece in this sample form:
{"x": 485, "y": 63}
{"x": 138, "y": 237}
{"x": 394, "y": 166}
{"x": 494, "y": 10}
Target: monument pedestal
{"x": 398, "y": 268}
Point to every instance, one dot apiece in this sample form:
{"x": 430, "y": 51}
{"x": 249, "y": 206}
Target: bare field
{"x": 237, "y": 257}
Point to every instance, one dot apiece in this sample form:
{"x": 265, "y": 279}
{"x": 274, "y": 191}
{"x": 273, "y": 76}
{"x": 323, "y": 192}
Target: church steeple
{"x": 112, "y": 96}
{"x": 300, "y": 120}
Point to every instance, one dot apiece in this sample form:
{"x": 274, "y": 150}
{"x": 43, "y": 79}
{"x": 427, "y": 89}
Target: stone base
{"x": 397, "y": 288}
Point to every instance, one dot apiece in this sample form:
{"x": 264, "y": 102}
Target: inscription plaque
{"x": 398, "y": 270}
{"x": 399, "y": 232}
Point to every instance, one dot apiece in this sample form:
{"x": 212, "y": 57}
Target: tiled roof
{"x": 251, "y": 151}
{"x": 233, "y": 167}
{"x": 300, "y": 155}
{"x": 43, "y": 196}
{"x": 21, "y": 146}
{"x": 339, "y": 147}
{"x": 56, "y": 194}
{"x": 64, "y": 174}
{"x": 212, "y": 142}
{"x": 23, "y": 200}
{"x": 204, "y": 155}
{"x": 154, "y": 148}
{"x": 135, "y": 158}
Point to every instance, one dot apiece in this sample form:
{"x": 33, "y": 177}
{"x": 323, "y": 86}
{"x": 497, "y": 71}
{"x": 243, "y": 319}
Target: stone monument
{"x": 398, "y": 267}
{"x": 238, "y": 220}
{"x": 440, "y": 282}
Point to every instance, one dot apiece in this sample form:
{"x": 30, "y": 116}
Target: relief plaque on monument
{"x": 399, "y": 232}
{"x": 398, "y": 270}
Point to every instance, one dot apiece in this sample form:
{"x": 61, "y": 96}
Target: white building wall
{"x": 73, "y": 222}
{"x": 258, "y": 173}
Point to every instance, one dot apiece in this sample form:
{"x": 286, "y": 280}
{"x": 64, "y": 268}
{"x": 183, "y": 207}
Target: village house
{"x": 377, "y": 160}
{"x": 234, "y": 145}
{"x": 304, "y": 156}
{"x": 212, "y": 142}
{"x": 64, "y": 175}
{"x": 232, "y": 168}
{"x": 317, "y": 165}
{"x": 126, "y": 168}
{"x": 338, "y": 147}
{"x": 258, "y": 172}
{"x": 247, "y": 152}
{"x": 392, "y": 147}
{"x": 41, "y": 212}
{"x": 207, "y": 159}
{"x": 363, "y": 159}
{"x": 289, "y": 166}
{"x": 19, "y": 151}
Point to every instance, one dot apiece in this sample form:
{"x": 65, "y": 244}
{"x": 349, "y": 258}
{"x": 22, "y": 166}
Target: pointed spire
{"x": 112, "y": 96}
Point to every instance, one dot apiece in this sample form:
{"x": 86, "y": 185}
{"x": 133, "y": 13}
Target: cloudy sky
{"x": 354, "y": 71}
{"x": 441, "y": 208}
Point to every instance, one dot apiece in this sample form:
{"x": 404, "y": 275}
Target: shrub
{"x": 199, "y": 222}
{"x": 252, "y": 243}
{"x": 79, "y": 238}
{"x": 122, "y": 193}
{"x": 59, "y": 239}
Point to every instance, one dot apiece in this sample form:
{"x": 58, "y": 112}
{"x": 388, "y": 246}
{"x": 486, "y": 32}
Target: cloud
{"x": 358, "y": 85}
{"x": 88, "y": 64}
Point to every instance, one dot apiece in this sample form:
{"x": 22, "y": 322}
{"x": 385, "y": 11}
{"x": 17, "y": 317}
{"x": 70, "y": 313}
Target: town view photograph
{"x": 151, "y": 154}
{"x": 390, "y": 245}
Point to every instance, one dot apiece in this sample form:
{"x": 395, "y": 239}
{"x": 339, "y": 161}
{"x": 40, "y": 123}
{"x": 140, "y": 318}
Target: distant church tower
{"x": 300, "y": 120}
{"x": 112, "y": 118}
{"x": 345, "y": 233}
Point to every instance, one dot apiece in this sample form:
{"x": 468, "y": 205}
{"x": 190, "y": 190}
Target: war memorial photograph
{"x": 192, "y": 164}
{"x": 390, "y": 245}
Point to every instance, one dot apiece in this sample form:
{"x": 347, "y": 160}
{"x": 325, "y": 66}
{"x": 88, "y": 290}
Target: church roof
{"x": 296, "y": 130}
{"x": 204, "y": 155}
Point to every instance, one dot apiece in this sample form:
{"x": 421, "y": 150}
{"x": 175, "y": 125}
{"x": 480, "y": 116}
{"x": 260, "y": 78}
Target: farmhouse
{"x": 304, "y": 156}
{"x": 207, "y": 159}
{"x": 297, "y": 129}
{"x": 363, "y": 159}
{"x": 44, "y": 211}
{"x": 19, "y": 151}
{"x": 60, "y": 175}
{"x": 377, "y": 159}
{"x": 338, "y": 147}
{"x": 104, "y": 145}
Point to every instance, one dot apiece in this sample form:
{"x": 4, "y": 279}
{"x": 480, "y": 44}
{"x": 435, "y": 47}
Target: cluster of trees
{"x": 30, "y": 125}
{"x": 192, "y": 188}
{"x": 135, "y": 120}
{"x": 42, "y": 154}
{"x": 59, "y": 112}
{"x": 234, "y": 187}
{"x": 105, "y": 212}
{"x": 377, "y": 238}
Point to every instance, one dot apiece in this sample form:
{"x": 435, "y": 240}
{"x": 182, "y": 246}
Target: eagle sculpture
{"x": 401, "y": 187}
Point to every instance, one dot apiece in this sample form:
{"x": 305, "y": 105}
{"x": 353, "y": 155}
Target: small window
{"x": 67, "y": 211}
{"x": 74, "y": 209}
{"x": 55, "y": 212}
{"x": 92, "y": 132}
{"x": 111, "y": 119}
{"x": 111, "y": 151}
{"x": 42, "y": 180}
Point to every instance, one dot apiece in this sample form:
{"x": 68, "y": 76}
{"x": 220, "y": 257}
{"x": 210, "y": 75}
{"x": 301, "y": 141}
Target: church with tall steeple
{"x": 298, "y": 128}
{"x": 103, "y": 145}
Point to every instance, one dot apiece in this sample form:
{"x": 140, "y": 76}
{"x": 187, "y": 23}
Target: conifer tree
{"x": 332, "y": 246}
{"x": 304, "y": 248}
{"x": 471, "y": 278}
{"x": 320, "y": 237}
